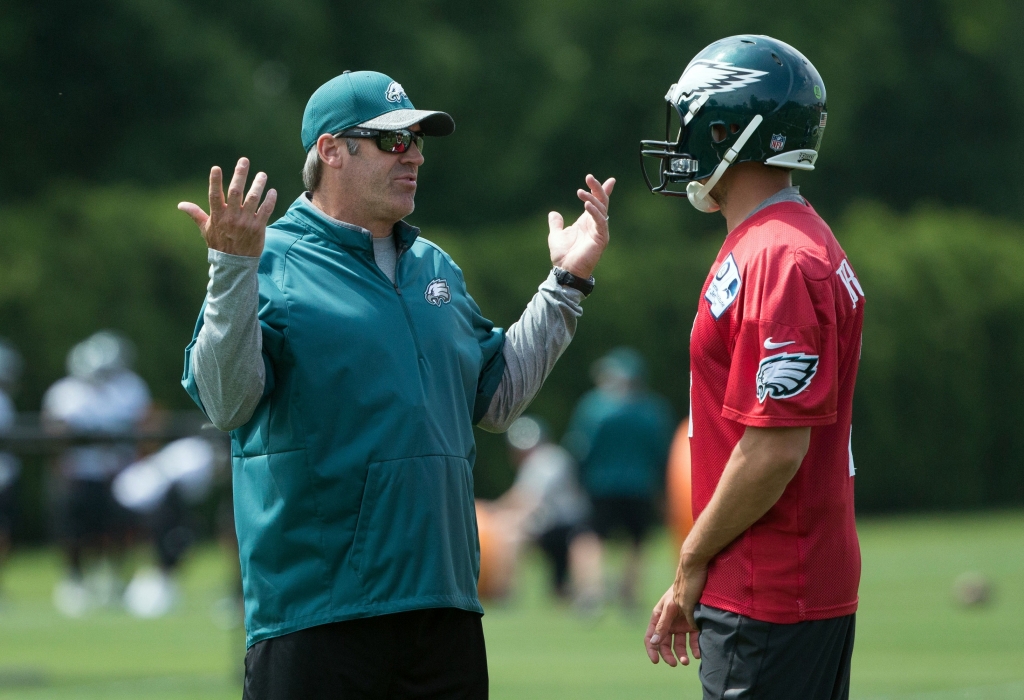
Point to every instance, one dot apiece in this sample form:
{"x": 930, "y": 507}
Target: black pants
{"x": 555, "y": 545}
{"x": 633, "y": 515}
{"x": 435, "y": 653}
{"x": 746, "y": 659}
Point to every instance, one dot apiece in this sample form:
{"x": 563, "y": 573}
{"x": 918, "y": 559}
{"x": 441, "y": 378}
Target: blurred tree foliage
{"x": 113, "y": 110}
{"x": 926, "y": 97}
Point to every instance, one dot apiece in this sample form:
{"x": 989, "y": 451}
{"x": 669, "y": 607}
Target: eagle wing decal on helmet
{"x": 710, "y": 77}
{"x": 785, "y": 375}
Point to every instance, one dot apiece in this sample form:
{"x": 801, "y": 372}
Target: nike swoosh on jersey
{"x": 769, "y": 345}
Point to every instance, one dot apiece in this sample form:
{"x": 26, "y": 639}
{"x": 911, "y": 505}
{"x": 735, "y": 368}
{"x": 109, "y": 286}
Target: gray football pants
{"x": 746, "y": 659}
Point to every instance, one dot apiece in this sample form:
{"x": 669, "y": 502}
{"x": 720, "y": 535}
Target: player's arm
{"x": 761, "y": 466}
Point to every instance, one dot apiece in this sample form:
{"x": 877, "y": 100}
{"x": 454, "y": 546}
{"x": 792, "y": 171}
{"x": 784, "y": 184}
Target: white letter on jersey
{"x": 689, "y": 429}
{"x": 853, "y": 470}
{"x": 849, "y": 279}
{"x": 724, "y": 288}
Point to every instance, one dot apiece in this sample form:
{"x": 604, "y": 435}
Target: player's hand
{"x": 668, "y": 632}
{"x": 691, "y": 577}
{"x": 237, "y": 226}
{"x": 579, "y": 247}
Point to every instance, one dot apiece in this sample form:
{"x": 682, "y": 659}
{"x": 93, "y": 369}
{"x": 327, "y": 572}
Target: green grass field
{"x": 913, "y": 641}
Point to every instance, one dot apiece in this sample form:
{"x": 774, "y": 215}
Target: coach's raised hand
{"x": 579, "y": 247}
{"x": 236, "y": 226}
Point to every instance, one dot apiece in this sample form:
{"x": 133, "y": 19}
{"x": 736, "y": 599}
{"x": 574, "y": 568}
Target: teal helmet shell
{"x": 727, "y": 87}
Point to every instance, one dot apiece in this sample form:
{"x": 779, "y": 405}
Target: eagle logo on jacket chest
{"x": 437, "y": 292}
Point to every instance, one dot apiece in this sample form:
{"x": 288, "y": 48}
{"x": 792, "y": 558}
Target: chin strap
{"x": 698, "y": 194}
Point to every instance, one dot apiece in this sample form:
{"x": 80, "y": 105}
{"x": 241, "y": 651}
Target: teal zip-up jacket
{"x": 353, "y": 480}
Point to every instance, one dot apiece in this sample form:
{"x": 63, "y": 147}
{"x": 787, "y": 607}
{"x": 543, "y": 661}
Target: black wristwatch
{"x": 567, "y": 279}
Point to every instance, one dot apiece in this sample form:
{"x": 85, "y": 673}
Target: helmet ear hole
{"x": 734, "y": 128}
{"x": 718, "y": 132}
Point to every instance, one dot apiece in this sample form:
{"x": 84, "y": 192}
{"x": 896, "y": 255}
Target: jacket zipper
{"x": 405, "y": 307}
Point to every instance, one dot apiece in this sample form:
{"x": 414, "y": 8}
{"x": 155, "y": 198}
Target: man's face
{"x": 383, "y": 183}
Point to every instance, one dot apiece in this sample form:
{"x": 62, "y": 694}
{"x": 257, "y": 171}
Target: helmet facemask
{"x": 675, "y": 166}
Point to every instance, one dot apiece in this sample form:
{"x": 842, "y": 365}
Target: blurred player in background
{"x": 10, "y": 466}
{"x": 100, "y": 396}
{"x": 769, "y": 572}
{"x": 620, "y": 432}
{"x": 160, "y": 488}
{"x": 552, "y": 506}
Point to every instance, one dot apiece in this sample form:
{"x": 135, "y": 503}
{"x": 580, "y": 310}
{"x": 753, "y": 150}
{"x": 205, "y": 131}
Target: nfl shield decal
{"x": 778, "y": 142}
{"x": 724, "y": 288}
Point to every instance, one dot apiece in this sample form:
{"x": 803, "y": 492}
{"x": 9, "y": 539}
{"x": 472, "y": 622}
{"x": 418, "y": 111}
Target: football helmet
{"x": 743, "y": 98}
{"x": 101, "y": 355}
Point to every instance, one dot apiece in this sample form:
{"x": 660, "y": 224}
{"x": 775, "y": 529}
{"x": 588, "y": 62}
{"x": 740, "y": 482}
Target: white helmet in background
{"x": 100, "y": 355}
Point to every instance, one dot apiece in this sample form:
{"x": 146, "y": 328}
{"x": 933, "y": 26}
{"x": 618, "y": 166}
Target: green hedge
{"x": 940, "y": 396}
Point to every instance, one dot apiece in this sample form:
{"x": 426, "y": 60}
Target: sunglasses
{"x": 397, "y": 141}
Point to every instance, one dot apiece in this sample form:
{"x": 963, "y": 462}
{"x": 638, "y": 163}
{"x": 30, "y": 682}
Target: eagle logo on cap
{"x": 395, "y": 92}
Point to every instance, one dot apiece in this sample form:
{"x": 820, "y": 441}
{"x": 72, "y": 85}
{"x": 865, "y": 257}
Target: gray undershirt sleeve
{"x": 227, "y": 359}
{"x": 532, "y": 346}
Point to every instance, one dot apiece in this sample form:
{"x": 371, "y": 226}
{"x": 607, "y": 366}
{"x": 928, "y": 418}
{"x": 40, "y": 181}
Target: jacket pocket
{"x": 416, "y": 533}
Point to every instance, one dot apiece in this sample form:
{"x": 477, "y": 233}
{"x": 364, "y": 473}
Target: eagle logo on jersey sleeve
{"x": 785, "y": 375}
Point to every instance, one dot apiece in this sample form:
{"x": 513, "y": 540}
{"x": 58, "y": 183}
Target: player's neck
{"x": 748, "y": 185}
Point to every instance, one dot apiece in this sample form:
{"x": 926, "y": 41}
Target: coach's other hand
{"x": 238, "y": 226}
{"x": 668, "y": 631}
{"x": 579, "y": 247}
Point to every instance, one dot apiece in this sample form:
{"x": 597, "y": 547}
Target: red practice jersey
{"x": 776, "y": 343}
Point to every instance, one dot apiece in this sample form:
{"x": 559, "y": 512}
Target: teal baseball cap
{"x": 369, "y": 100}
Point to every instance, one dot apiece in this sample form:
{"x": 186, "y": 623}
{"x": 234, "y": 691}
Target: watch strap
{"x": 567, "y": 279}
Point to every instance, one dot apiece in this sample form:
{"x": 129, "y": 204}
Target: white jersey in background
{"x": 116, "y": 403}
{"x": 548, "y": 476}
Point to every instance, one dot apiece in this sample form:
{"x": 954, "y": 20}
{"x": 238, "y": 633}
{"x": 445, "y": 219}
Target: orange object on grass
{"x": 495, "y": 552}
{"x": 677, "y": 486}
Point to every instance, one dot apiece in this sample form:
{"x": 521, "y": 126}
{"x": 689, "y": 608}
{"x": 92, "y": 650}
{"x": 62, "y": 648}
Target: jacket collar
{"x": 346, "y": 235}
